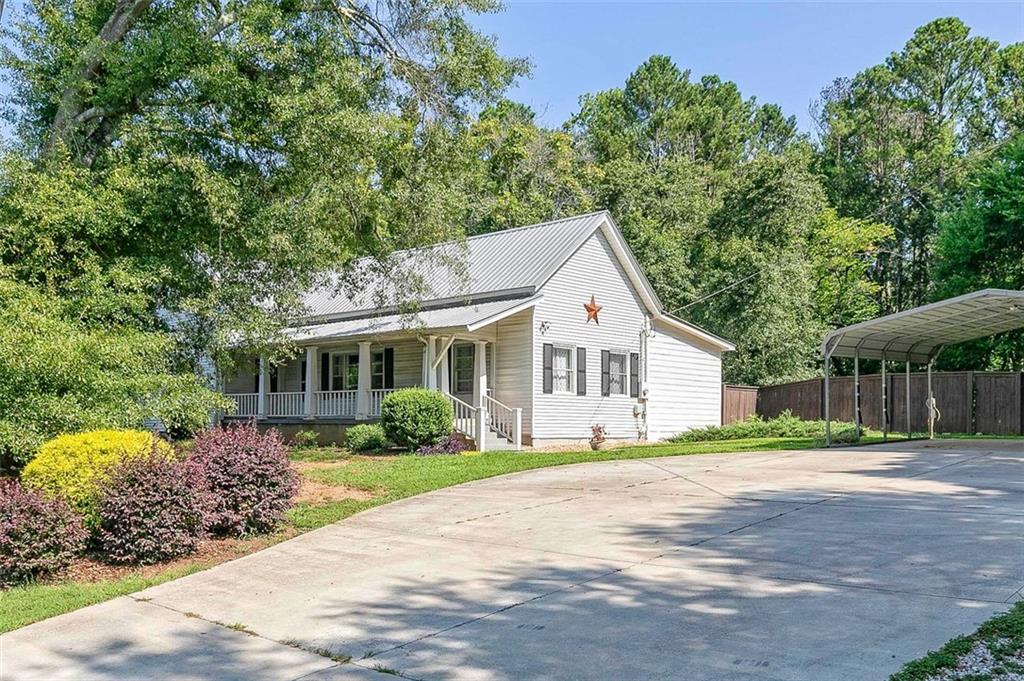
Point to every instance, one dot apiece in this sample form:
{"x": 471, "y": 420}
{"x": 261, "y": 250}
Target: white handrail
{"x": 335, "y": 402}
{"x": 246, "y": 404}
{"x": 377, "y": 398}
{"x": 465, "y": 417}
{"x": 502, "y": 417}
{"x": 286, "y": 404}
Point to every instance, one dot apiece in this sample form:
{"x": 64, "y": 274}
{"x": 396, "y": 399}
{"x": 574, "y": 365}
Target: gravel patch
{"x": 988, "y": 660}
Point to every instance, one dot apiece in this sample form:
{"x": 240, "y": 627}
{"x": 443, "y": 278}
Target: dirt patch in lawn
{"x": 314, "y": 492}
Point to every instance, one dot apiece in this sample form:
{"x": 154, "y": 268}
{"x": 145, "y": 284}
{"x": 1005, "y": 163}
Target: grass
{"x": 1003, "y": 635}
{"x": 387, "y": 477}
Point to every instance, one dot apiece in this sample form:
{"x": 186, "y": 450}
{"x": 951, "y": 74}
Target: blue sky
{"x": 781, "y": 52}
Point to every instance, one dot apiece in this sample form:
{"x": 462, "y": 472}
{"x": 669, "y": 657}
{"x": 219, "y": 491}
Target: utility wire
{"x": 715, "y": 293}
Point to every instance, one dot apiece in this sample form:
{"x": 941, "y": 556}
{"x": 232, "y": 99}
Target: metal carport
{"x": 917, "y": 336}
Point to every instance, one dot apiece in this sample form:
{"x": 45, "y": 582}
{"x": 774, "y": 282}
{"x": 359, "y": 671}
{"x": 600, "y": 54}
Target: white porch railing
{"x": 376, "y": 398}
{"x": 336, "y": 402}
{"x": 466, "y": 421}
{"x": 246, "y": 404}
{"x": 286, "y": 404}
{"x": 505, "y": 420}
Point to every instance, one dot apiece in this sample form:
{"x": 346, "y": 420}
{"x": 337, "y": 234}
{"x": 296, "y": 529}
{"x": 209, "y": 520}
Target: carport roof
{"x": 920, "y": 333}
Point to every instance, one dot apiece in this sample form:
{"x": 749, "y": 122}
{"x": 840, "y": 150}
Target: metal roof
{"x": 920, "y": 334}
{"x": 462, "y": 318}
{"x": 513, "y": 262}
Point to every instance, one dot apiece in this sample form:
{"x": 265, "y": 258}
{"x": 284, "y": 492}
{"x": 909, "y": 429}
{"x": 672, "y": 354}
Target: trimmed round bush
{"x": 72, "y": 467}
{"x": 38, "y": 536}
{"x": 415, "y": 417}
{"x": 248, "y": 475}
{"x": 365, "y": 437}
{"x": 151, "y": 509}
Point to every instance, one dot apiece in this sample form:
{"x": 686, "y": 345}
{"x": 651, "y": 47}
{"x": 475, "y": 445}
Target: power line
{"x": 715, "y": 293}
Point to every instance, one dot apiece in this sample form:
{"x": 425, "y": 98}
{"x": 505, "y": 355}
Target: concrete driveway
{"x": 816, "y": 565}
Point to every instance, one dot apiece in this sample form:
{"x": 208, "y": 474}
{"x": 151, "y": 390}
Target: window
{"x": 463, "y": 368}
{"x": 618, "y": 373}
{"x": 561, "y": 370}
{"x": 345, "y": 371}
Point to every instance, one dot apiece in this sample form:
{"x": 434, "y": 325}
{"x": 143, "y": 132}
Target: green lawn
{"x": 1003, "y": 635}
{"x": 387, "y": 477}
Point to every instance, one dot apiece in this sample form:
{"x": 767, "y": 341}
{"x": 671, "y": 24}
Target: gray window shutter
{"x": 605, "y": 378}
{"x": 325, "y": 371}
{"x": 581, "y": 371}
{"x": 273, "y": 379}
{"x": 634, "y": 374}
{"x": 548, "y": 352}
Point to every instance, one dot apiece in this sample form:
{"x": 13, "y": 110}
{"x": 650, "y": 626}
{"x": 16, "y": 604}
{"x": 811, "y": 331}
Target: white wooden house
{"x": 548, "y": 330}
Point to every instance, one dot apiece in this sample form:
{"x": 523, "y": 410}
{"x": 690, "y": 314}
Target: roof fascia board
{"x": 695, "y": 331}
{"x": 498, "y": 316}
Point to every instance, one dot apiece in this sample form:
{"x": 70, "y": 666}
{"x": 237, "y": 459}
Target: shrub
{"x": 73, "y": 466}
{"x": 248, "y": 475}
{"x": 783, "y": 425}
{"x": 449, "y": 444}
{"x": 38, "y": 536}
{"x": 62, "y": 372}
{"x": 304, "y": 439}
{"x": 151, "y": 509}
{"x": 414, "y": 417}
{"x": 366, "y": 437}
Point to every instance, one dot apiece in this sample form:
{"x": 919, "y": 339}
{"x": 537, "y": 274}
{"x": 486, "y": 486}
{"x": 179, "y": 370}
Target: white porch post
{"x": 261, "y": 397}
{"x": 363, "y": 386}
{"x": 445, "y": 373}
{"x": 480, "y": 366}
{"x": 309, "y": 398}
{"x": 429, "y": 371}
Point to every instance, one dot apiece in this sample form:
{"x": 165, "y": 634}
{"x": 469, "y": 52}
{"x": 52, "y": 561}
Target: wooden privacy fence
{"x": 970, "y": 402}
{"x": 738, "y": 402}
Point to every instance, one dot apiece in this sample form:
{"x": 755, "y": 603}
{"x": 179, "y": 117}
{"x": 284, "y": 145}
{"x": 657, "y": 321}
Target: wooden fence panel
{"x": 998, "y": 403}
{"x": 738, "y": 402}
{"x": 989, "y": 402}
{"x": 803, "y": 398}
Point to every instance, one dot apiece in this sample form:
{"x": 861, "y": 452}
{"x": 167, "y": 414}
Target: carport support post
{"x": 910, "y": 433}
{"x": 931, "y": 403}
{"x": 885, "y": 404}
{"x": 856, "y": 394}
{"x": 828, "y": 421}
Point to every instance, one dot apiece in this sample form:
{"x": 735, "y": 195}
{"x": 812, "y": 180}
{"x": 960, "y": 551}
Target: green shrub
{"x": 365, "y": 437}
{"x": 783, "y": 425}
{"x": 414, "y": 417}
{"x": 72, "y": 467}
{"x": 304, "y": 439}
{"x": 60, "y": 374}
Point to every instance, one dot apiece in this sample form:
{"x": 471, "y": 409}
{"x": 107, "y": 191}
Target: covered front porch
{"x": 342, "y": 381}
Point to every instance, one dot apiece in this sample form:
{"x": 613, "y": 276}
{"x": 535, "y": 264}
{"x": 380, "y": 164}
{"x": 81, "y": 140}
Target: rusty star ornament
{"x": 592, "y": 309}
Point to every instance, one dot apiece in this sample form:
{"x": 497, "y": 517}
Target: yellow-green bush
{"x": 71, "y": 467}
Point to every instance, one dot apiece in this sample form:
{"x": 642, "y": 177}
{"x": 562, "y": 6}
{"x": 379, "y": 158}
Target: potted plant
{"x": 598, "y": 439}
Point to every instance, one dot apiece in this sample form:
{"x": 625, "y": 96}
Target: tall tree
{"x": 897, "y": 138}
{"x": 214, "y": 157}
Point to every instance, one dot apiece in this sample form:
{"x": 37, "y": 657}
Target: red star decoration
{"x": 592, "y": 309}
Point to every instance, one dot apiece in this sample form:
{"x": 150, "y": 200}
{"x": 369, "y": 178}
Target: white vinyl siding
{"x": 592, "y": 270}
{"x": 513, "y": 364}
{"x": 684, "y": 382}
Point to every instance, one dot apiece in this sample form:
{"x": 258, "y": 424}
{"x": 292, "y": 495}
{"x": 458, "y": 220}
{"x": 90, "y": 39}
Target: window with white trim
{"x": 618, "y": 373}
{"x": 463, "y": 368}
{"x": 562, "y": 373}
{"x": 345, "y": 370}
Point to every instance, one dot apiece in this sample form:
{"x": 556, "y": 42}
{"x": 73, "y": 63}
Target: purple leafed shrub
{"x": 448, "y": 444}
{"x": 249, "y": 477}
{"x": 38, "y": 536}
{"x": 151, "y": 509}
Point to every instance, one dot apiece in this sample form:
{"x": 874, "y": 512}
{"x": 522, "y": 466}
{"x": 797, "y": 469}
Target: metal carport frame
{"x": 917, "y": 336}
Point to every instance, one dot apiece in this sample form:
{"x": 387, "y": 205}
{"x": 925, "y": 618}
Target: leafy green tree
{"x": 981, "y": 245}
{"x": 898, "y": 138}
{"x": 58, "y": 374}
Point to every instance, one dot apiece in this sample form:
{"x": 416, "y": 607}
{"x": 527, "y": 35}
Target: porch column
{"x": 363, "y": 386}
{"x": 309, "y": 401}
{"x": 261, "y": 396}
{"x": 429, "y": 355}
{"x": 480, "y": 366}
{"x": 446, "y": 386}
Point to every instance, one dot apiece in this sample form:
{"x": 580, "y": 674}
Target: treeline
{"x": 181, "y": 171}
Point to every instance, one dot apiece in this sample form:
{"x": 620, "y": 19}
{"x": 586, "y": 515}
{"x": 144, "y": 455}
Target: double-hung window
{"x": 345, "y": 371}
{"x": 562, "y": 373}
{"x": 463, "y": 368}
{"x": 618, "y": 373}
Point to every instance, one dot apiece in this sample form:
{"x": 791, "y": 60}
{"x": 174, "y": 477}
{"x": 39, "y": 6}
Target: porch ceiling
{"x": 465, "y": 318}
